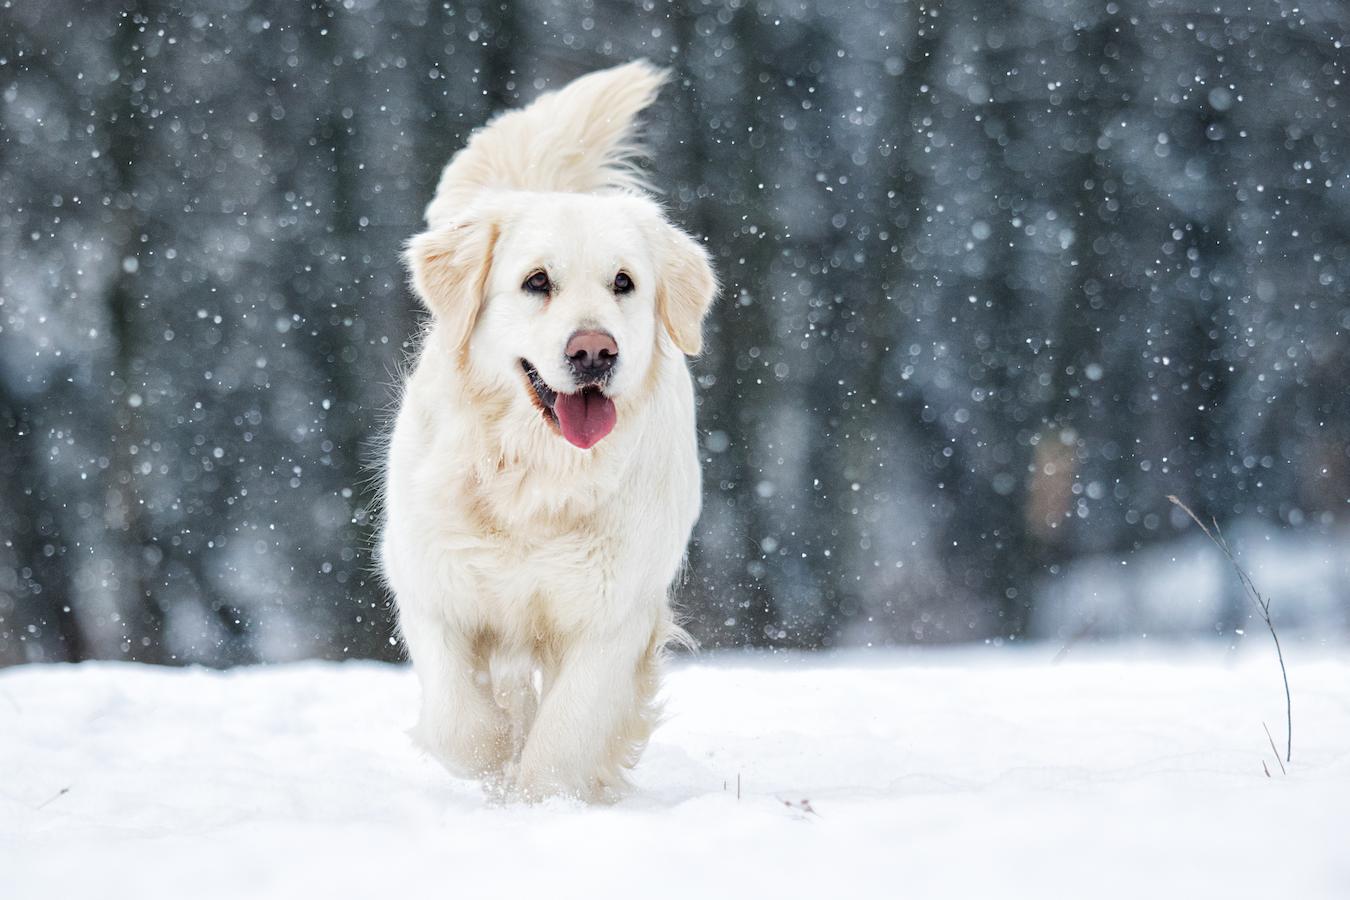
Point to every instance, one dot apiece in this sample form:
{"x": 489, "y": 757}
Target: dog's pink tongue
{"x": 584, "y": 417}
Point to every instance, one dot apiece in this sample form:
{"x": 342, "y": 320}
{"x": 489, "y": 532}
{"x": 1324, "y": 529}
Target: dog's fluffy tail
{"x": 577, "y": 139}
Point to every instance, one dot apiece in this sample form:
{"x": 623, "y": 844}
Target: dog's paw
{"x": 468, "y": 753}
{"x": 533, "y": 784}
{"x": 499, "y": 786}
{"x": 537, "y": 785}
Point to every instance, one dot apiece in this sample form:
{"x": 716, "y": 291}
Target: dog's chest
{"x": 552, "y": 567}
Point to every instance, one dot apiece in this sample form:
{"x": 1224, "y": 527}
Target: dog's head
{"x": 563, "y": 300}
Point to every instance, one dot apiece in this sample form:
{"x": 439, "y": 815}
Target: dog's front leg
{"x": 459, "y": 723}
{"x": 595, "y": 716}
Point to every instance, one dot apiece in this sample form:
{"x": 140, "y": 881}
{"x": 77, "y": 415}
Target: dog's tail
{"x": 578, "y": 139}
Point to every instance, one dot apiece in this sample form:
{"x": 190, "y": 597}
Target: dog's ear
{"x": 685, "y": 289}
{"x": 450, "y": 265}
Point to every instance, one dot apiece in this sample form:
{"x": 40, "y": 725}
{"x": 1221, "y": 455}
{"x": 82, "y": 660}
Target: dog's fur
{"x": 531, "y": 576}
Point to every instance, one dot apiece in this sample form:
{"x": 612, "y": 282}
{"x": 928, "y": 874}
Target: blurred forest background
{"x": 999, "y": 277}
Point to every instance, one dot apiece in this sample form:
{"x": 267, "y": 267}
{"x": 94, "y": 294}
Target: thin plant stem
{"x": 1262, "y": 605}
{"x": 1273, "y": 750}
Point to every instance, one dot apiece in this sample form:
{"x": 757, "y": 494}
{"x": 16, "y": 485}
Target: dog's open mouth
{"x": 582, "y": 418}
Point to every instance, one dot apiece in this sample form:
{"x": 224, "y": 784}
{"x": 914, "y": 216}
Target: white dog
{"x": 543, "y": 473}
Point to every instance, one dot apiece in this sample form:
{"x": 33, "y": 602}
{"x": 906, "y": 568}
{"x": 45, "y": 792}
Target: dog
{"x": 542, "y": 478}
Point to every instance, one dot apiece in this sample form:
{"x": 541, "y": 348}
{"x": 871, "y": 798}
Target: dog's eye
{"x": 538, "y": 283}
{"x": 623, "y": 284}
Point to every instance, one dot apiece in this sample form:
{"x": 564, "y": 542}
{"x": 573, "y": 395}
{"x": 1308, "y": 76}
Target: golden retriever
{"x": 542, "y": 478}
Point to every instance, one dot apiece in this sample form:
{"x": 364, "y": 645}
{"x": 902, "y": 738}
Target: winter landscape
{"x": 954, "y": 773}
{"x": 997, "y": 280}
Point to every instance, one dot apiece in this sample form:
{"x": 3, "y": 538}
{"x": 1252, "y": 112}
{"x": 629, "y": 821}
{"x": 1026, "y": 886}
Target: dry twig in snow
{"x": 1262, "y": 605}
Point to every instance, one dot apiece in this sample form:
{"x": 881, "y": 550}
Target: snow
{"x": 960, "y": 773}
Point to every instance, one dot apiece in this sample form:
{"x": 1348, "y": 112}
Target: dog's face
{"x": 562, "y": 300}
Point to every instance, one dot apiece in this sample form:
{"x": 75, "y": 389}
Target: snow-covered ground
{"x": 954, "y": 773}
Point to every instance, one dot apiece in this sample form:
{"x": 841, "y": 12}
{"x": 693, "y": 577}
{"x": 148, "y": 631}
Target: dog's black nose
{"x": 591, "y": 354}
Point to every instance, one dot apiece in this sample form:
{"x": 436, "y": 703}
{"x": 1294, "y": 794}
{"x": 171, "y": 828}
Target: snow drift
{"x": 952, "y": 773}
